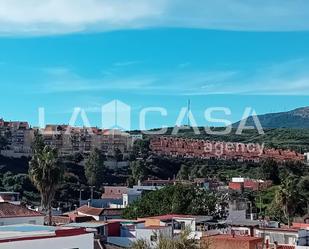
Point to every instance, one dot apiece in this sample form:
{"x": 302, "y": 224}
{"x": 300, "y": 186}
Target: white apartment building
{"x": 38, "y": 237}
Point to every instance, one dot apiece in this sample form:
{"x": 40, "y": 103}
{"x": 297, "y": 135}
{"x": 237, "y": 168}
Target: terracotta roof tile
{"x": 8, "y": 210}
{"x": 90, "y": 210}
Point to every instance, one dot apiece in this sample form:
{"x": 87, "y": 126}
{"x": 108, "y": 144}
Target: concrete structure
{"x": 68, "y": 140}
{"x": 283, "y": 236}
{"x": 114, "y": 192}
{"x": 131, "y": 231}
{"x": 239, "y": 184}
{"x": 231, "y": 242}
{"x": 131, "y": 196}
{"x": 179, "y": 222}
{"x": 38, "y": 237}
{"x": 99, "y": 214}
{"x": 303, "y": 239}
{"x": 11, "y": 214}
{"x": 11, "y": 197}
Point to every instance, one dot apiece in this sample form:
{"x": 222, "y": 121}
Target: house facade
{"x": 11, "y": 214}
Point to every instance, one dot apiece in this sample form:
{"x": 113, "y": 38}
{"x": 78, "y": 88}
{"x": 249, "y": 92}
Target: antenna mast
{"x": 189, "y": 110}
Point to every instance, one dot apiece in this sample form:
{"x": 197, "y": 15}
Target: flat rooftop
{"x": 236, "y": 238}
{"x": 27, "y": 231}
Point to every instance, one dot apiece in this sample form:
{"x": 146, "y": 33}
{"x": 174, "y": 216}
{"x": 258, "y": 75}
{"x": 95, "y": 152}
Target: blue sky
{"x": 65, "y": 54}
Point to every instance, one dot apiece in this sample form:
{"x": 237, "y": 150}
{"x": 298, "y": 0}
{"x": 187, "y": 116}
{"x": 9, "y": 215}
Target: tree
{"x": 140, "y": 149}
{"x": 303, "y": 187}
{"x": 138, "y": 170}
{"x": 95, "y": 169}
{"x": 184, "y": 172}
{"x": 177, "y": 199}
{"x": 16, "y": 183}
{"x": 286, "y": 200}
{"x": 269, "y": 171}
{"x": 118, "y": 155}
{"x": 46, "y": 172}
{"x": 3, "y": 142}
{"x": 38, "y": 142}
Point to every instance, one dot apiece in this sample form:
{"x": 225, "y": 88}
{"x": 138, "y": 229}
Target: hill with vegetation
{"x": 284, "y": 138}
{"x": 298, "y": 118}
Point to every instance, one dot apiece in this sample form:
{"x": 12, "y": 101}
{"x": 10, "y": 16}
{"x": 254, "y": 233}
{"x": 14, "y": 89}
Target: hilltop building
{"x": 68, "y": 140}
{"x": 195, "y": 148}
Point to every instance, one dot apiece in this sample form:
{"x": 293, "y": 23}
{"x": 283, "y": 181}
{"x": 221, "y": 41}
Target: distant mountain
{"x": 298, "y": 118}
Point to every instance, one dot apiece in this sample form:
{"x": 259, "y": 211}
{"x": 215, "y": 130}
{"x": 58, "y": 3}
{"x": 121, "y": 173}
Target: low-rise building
{"x": 231, "y": 242}
{"x": 197, "y": 224}
{"x": 11, "y": 197}
{"x": 131, "y": 231}
{"x": 240, "y": 183}
{"x": 282, "y": 236}
{"x": 11, "y": 214}
{"x": 99, "y": 214}
{"x": 303, "y": 239}
{"x": 38, "y": 237}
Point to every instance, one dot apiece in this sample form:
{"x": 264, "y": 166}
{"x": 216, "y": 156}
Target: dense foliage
{"x": 95, "y": 169}
{"x": 176, "y": 199}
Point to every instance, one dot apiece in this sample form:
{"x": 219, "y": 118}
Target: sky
{"x": 62, "y": 54}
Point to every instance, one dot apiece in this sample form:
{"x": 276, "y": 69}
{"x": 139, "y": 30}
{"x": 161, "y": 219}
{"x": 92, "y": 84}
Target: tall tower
{"x": 188, "y": 113}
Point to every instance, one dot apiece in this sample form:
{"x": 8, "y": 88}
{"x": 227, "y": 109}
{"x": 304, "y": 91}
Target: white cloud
{"x": 48, "y": 17}
{"x": 126, "y": 63}
{"x": 59, "y": 80}
{"x": 285, "y": 78}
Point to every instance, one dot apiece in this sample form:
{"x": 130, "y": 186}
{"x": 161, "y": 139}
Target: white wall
{"x": 189, "y": 222}
{"x": 120, "y": 241}
{"x": 145, "y": 234}
{"x": 36, "y": 220}
{"x": 84, "y": 241}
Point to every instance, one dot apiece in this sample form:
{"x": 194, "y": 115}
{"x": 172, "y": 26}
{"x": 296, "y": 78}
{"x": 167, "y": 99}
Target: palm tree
{"x": 45, "y": 172}
{"x": 286, "y": 197}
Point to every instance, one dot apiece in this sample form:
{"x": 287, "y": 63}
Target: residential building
{"x": 158, "y": 182}
{"x": 283, "y": 236}
{"x": 131, "y": 231}
{"x": 114, "y": 192}
{"x": 240, "y": 183}
{"x": 68, "y": 140}
{"x": 303, "y": 239}
{"x": 99, "y": 214}
{"x": 231, "y": 242}
{"x": 179, "y": 222}
{"x": 38, "y": 237}
{"x": 11, "y": 197}
{"x": 11, "y": 214}
{"x": 189, "y": 148}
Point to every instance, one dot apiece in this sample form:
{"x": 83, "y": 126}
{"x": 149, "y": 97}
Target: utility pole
{"x": 91, "y": 196}
{"x": 80, "y": 196}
